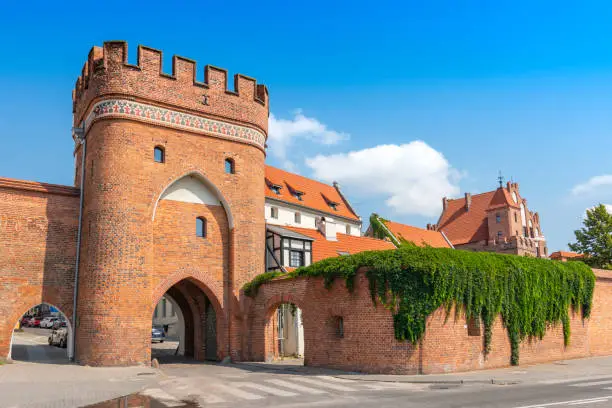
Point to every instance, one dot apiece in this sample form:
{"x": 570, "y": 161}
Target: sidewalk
{"x": 68, "y": 385}
{"x": 556, "y": 372}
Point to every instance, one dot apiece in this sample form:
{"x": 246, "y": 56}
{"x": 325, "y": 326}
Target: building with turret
{"x": 496, "y": 221}
{"x": 173, "y": 210}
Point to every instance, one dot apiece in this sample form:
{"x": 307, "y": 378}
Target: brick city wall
{"x": 127, "y": 261}
{"x": 38, "y": 230}
{"x": 369, "y": 345}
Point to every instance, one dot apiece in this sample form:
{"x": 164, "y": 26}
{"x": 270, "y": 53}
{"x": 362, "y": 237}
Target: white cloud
{"x": 282, "y": 133}
{"x": 412, "y": 177}
{"x": 593, "y": 184}
{"x": 608, "y": 207}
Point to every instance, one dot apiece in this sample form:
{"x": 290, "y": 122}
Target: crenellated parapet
{"x": 109, "y": 86}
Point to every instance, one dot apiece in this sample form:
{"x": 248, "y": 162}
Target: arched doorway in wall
{"x": 43, "y": 334}
{"x": 285, "y": 334}
{"x": 188, "y": 316}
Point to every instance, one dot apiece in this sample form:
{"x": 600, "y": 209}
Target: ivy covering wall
{"x": 529, "y": 294}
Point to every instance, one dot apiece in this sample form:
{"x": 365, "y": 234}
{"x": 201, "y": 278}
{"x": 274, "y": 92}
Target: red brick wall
{"x": 369, "y": 344}
{"x": 38, "y": 229}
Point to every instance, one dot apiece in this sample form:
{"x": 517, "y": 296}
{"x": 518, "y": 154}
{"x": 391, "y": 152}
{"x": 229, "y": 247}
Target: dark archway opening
{"x": 188, "y": 320}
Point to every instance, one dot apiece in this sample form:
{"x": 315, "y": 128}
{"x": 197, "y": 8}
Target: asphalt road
{"x": 207, "y": 385}
{"x": 32, "y": 344}
{"x": 580, "y": 383}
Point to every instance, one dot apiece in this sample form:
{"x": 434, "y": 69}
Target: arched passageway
{"x": 43, "y": 334}
{"x": 190, "y": 319}
{"x": 285, "y": 333}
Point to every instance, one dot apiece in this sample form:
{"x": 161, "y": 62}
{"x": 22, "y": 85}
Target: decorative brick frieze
{"x": 124, "y": 109}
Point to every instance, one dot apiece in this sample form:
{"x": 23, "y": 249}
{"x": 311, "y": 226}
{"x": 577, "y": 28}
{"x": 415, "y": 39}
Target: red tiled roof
{"x": 462, "y": 226}
{"x": 418, "y": 236}
{"x": 501, "y": 198}
{"x": 316, "y": 195}
{"x": 565, "y": 254}
{"x": 322, "y": 248}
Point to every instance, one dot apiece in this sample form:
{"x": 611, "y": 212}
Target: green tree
{"x": 594, "y": 239}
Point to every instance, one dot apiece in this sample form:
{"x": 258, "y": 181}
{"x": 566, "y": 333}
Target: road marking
{"x": 163, "y": 397}
{"x": 269, "y": 390}
{"x": 209, "y": 398}
{"x": 575, "y": 379}
{"x": 238, "y": 392}
{"x": 296, "y": 387}
{"x": 335, "y": 379}
{"x": 588, "y": 402}
{"x": 323, "y": 384}
{"x": 552, "y": 404}
{"x": 381, "y": 386}
{"x": 592, "y": 384}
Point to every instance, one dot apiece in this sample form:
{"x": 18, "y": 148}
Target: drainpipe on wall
{"x": 79, "y": 136}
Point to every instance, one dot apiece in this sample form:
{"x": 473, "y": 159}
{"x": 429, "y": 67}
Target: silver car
{"x": 59, "y": 337}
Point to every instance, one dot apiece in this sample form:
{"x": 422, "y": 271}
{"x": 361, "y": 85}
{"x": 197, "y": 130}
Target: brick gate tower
{"x": 173, "y": 201}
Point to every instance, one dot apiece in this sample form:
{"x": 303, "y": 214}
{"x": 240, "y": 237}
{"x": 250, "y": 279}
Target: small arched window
{"x": 298, "y": 218}
{"x": 498, "y": 218}
{"x": 159, "y": 154}
{"x": 500, "y": 235}
{"x": 230, "y": 166}
{"x": 348, "y": 229}
{"x": 201, "y": 227}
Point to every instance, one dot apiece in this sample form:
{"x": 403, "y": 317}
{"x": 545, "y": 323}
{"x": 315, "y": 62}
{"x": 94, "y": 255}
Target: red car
{"x": 25, "y": 320}
{"x": 34, "y": 322}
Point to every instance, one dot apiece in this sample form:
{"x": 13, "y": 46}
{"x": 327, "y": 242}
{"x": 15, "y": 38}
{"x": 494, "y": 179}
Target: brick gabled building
{"x": 496, "y": 221}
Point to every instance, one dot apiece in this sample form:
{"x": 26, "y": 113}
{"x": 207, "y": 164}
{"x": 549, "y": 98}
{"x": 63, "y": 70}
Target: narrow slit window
{"x": 298, "y": 218}
{"x": 230, "y": 167}
{"x": 201, "y": 227}
{"x": 159, "y": 154}
{"x": 348, "y": 229}
{"x": 473, "y": 326}
{"x": 339, "y": 326}
{"x": 274, "y": 212}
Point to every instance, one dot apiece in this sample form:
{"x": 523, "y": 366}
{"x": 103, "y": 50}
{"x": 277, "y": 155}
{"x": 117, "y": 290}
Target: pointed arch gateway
{"x": 201, "y": 321}
{"x": 192, "y": 223}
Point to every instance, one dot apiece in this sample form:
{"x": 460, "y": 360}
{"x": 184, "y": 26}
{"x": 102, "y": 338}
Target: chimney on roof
{"x": 508, "y": 186}
{"x": 444, "y": 203}
{"x": 468, "y": 201}
{"x": 327, "y": 227}
{"x": 432, "y": 227}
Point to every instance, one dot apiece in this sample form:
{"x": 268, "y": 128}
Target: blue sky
{"x": 484, "y": 86}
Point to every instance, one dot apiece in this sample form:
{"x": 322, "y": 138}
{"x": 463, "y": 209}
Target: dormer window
{"x": 276, "y": 189}
{"x": 334, "y": 206}
{"x": 298, "y": 195}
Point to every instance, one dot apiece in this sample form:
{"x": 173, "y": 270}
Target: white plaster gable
{"x": 190, "y": 190}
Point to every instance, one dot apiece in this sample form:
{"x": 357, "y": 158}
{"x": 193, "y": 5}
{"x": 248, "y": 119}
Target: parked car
{"x": 25, "y": 320}
{"x": 157, "y": 334}
{"x": 59, "y": 323}
{"x": 59, "y": 337}
{"x": 34, "y": 322}
{"x": 47, "y": 322}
